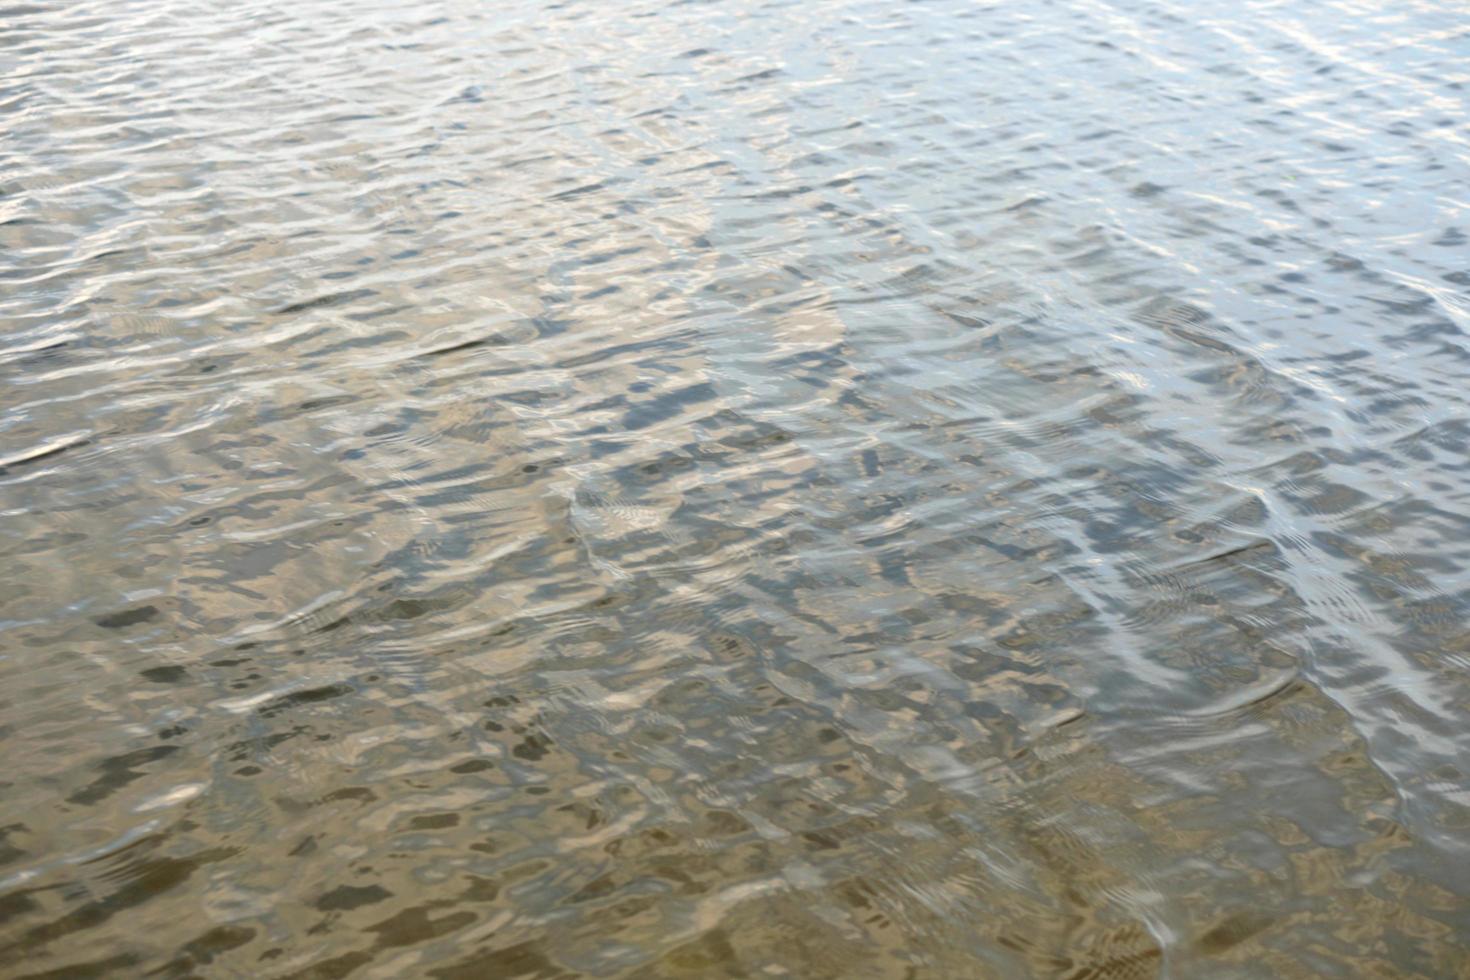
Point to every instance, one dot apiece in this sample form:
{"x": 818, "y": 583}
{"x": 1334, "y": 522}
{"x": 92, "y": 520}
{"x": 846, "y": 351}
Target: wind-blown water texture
{"x": 818, "y": 489}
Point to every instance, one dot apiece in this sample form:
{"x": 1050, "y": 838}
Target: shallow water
{"x": 833, "y": 488}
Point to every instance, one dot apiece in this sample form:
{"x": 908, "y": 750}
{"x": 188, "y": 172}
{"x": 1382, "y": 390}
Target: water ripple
{"x": 664, "y": 489}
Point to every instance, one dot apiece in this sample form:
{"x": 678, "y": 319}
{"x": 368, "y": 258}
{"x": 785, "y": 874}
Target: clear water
{"x": 833, "y": 488}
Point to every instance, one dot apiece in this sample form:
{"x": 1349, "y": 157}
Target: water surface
{"x": 822, "y": 489}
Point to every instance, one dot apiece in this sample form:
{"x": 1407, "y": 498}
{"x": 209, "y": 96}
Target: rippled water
{"x": 833, "y": 488}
